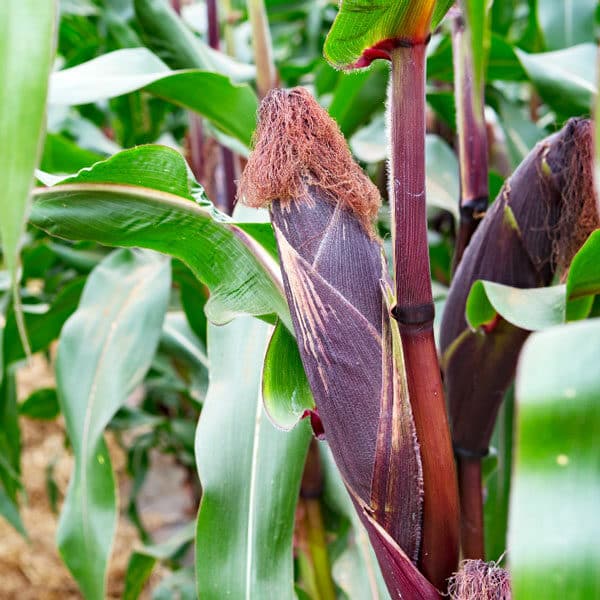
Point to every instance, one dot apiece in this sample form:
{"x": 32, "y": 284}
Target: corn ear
{"x": 542, "y": 216}
{"x": 337, "y": 286}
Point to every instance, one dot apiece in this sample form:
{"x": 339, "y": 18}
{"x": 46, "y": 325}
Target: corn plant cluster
{"x": 340, "y": 267}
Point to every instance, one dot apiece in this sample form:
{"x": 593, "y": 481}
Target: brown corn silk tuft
{"x": 296, "y": 146}
{"x": 478, "y": 580}
{"x": 542, "y": 216}
{"x": 322, "y": 207}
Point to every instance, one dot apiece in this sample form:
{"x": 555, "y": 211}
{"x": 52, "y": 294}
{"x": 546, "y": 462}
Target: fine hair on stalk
{"x": 298, "y": 146}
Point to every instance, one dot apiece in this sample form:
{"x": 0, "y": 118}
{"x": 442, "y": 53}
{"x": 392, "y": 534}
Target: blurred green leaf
{"x": 554, "y": 522}
{"x": 167, "y": 35}
{"x": 41, "y": 404}
{"x": 370, "y": 144}
{"x": 583, "y": 281}
{"x": 355, "y": 570}
{"x": 357, "y": 96}
{"x": 477, "y": 14}
{"x": 285, "y": 389}
{"x": 104, "y": 351}
{"x": 10, "y": 511}
{"x": 42, "y": 328}
{"x": 124, "y": 71}
{"x": 139, "y": 569}
{"x": 498, "y": 482}
{"x": 250, "y": 474}
{"x": 362, "y": 24}
{"x": 566, "y": 23}
{"x": 61, "y": 155}
{"x": 565, "y": 79}
{"x": 142, "y": 197}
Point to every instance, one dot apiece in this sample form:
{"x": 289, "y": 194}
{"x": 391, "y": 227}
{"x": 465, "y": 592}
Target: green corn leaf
{"x": 250, "y": 474}
{"x": 41, "y": 404}
{"x": 565, "y": 79}
{"x": 531, "y": 309}
{"x": 42, "y": 328}
{"x": 566, "y": 23}
{"x": 554, "y": 520}
{"x": 124, "y": 71}
{"x": 10, "y": 511}
{"x": 362, "y": 24}
{"x": 165, "y": 34}
{"x": 142, "y": 197}
{"x": 356, "y": 570}
{"x": 104, "y": 352}
{"x": 27, "y": 32}
{"x": 538, "y": 308}
{"x": 285, "y": 389}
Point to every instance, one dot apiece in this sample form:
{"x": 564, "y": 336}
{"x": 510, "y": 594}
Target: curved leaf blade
{"x": 104, "y": 351}
{"x": 108, "y": 205}
{"x": 124, "y": 71}
{"x": 250, "y": 474}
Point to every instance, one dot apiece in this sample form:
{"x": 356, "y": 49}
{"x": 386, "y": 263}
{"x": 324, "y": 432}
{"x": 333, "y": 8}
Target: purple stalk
{"x": 414, "y": 312}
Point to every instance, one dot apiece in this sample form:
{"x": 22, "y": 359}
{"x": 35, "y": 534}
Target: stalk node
{"x": 470, "y": 454}
{"x": 420, "y": 314}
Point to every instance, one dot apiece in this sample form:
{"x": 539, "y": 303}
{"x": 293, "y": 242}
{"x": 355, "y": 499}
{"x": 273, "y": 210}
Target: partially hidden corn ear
{"x": 335, "y": 278}
{"x": 542, "y": 216}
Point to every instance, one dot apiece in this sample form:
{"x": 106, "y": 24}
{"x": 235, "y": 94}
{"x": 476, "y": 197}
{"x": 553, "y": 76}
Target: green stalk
{"x": 414, "y": 312}
{"x": 266, "y": 75}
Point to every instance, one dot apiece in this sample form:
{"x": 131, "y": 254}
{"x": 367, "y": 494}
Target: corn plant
{"x": 339, "y": 267}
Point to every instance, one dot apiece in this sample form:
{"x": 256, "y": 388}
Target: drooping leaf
{"x": 554, "y": 524}
{"x": 104, "y": 351}
{"x": 531, "y": 309}
{"x": 250, "y": 474}
{"x": 27, "y": 32}
{"x": 124, "y": 71}
{"x": 142, "y": 197}
{"x": 362, "y": 27}
{"x": 566, "y": 79}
